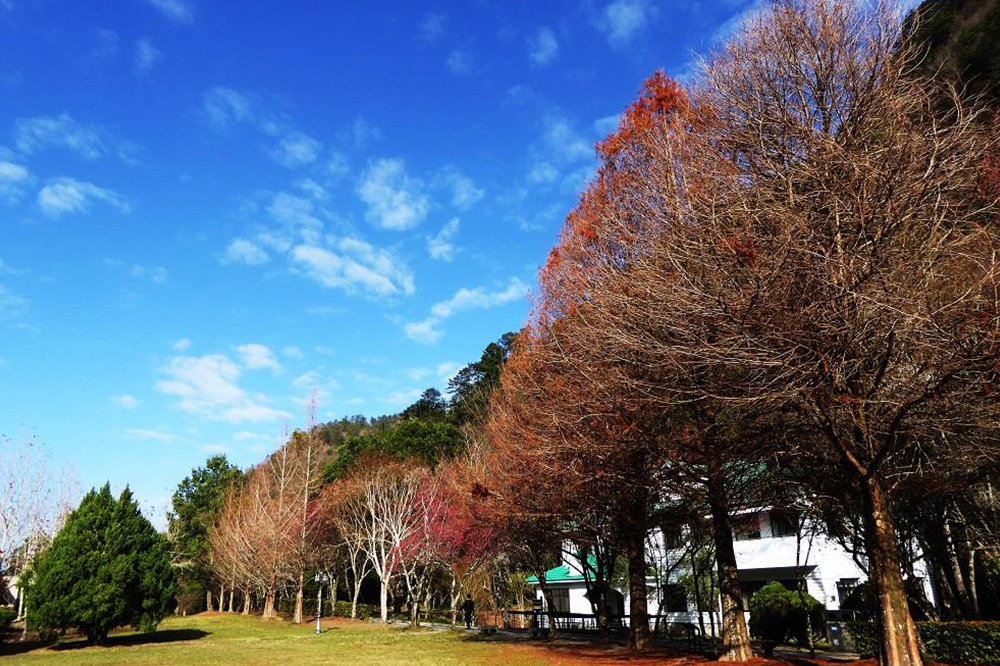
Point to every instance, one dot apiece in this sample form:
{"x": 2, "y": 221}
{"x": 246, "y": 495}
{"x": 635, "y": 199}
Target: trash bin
{"x": 837, "y": 638}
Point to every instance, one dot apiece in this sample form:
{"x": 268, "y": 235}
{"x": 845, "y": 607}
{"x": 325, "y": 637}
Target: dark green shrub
{"x": 108, "y": 567}
{"x": 805, "y": 608}
{"x": 770, "y": 613}
{"x": 973, "y": 643}
{"x": 7, "y": 616}
{"x": 365, "y": 611}
{"x": 862, "y": 634}
{"x": 961, "y": 642}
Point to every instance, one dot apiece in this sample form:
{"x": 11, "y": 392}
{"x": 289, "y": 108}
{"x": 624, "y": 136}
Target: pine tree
{"x": 108, "y": 567}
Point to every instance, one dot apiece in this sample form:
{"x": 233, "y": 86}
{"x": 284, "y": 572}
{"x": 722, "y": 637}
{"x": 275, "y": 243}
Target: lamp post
{"x": 322, "y": 579}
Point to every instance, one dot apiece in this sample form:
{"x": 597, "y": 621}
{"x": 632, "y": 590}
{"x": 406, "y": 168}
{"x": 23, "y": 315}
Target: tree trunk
{"x": 735, "y": 637}
{"x": 897, "y": 631}
{"x": 222, "y": 597}
{"x": 639, "y": 638}
{"x": 384, "y": 601}
{"x": 246, "y": 601}
{"x": 297, "y": 616}
{"x": 208, "y": 599}
{"x": 354, "y": 599}
{"x": 269, "y": 602}
{"x": 696, "y": 579}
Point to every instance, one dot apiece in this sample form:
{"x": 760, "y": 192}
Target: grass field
{"x": 233, "y": 639}
{"x": 218, "y": 640}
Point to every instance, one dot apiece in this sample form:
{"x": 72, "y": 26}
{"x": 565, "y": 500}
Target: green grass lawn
{"x": 233, "y": 639}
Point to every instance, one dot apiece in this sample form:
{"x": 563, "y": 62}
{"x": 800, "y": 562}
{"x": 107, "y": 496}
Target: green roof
{"x": 563, "y": 573}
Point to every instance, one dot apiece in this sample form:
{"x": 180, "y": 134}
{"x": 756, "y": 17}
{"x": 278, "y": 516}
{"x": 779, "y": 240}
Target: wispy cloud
{"x": 257, "y": 356}
{"x": 146, "y": 56}
{"x": 208, "y": 386}
{"x": 464, "y": 193}
{"x": 183, "y": 344}
{"x": 296, "y": 149}
{"x": 150, "y": 435}
{"x": 440, "y": 245}
{"x": 459, "y": 62}
{"x": 429, "y": 330}
{"x": 34, "y": 135}
{"x": 14, "y": 179}
{"x": 543, "y": 47}
{"x": 226, "y": 108}
{"x": 354, "y": 265}
{"x": 68, "y": 195}
{"x": 394, "y": 199}
{"x": 242, "y": 251}
{"x": 624, "y": 20}
{"x": 432, "y": 27}
{"x": 176, "y": 10}
{"x": 125, "y": 401}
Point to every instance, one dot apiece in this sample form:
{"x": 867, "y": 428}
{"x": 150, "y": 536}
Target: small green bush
{"x": 770, "y": 613}
{"x": 777, "y": 613}
{"x": 7, "y": 616}
{"x": 974, "y": 643}
{"x": 365, "y": 611}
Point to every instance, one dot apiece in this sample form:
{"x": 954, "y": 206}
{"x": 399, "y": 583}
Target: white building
{"x": 767, "y": 550}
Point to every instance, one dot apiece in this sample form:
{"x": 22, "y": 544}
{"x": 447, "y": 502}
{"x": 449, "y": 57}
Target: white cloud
{"x": 150, "y": 435}
{"x": 447, "y": 370}
{"x": 33, "y": 135}
{"x": 440, "y": 246}
{"x": 157, "y": 274}
{"x": 400, "y": 398}
{"x": 225, "y": 107}
{"x": 606, "y": 125}
{"x": 296, "y": 214}
{"x": 394, "y": 199}
{"x": 459, "y": 62}
{"x": 176, "y": 10}
{"x": 360, "y": 133}
{"x": 146, "y": 55}
{"x": 296, "y": 149}
{"x": 125, "y": 401}
{"x": 291, "y": 351}
{"x": 183, "y": 344}
{"x": 244, "y": 252}
{"x": 416, "y": 374}
{"x": 479, "y": 298}
{"x": 429, "y": 330}
{"x": 11, "y": 304}
{"x": 14, "y": 178}
{"x": 208, "y": 386}
{"x": 432, "y": 27}
{"x": 543, "y": 47}
{"x": 354, "y": 265}
{"x": 623, "y": 20}
{"x": 735, "y": 22}
{"x": 68, "y": 195}
{"x": 559, "y": 154}
{"x": 464, "y": 192}
{"x": 247, "y": 436}
{"x": 257, "y": 356}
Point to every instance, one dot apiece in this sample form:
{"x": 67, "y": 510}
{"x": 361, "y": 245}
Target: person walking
{"x": 470, "y": 608}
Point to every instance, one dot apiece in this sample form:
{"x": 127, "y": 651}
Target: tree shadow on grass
{"x": 121, "y": 640}
{"x": 148, "y": 638}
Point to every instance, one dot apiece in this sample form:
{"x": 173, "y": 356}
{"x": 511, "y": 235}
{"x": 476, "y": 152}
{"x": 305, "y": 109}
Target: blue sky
{"x": 210, "y": 209}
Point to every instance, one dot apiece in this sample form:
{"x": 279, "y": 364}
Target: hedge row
{"x": 976, "y": 643}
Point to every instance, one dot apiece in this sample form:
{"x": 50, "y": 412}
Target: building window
{"x": 674, "y": 599}
{"x": 783, "y": 524}
{"x": 673, "y": 537}
{"x": 844, "y": 588}
{"x": 560, "y": 600}
{"x": 746, "y": 528}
